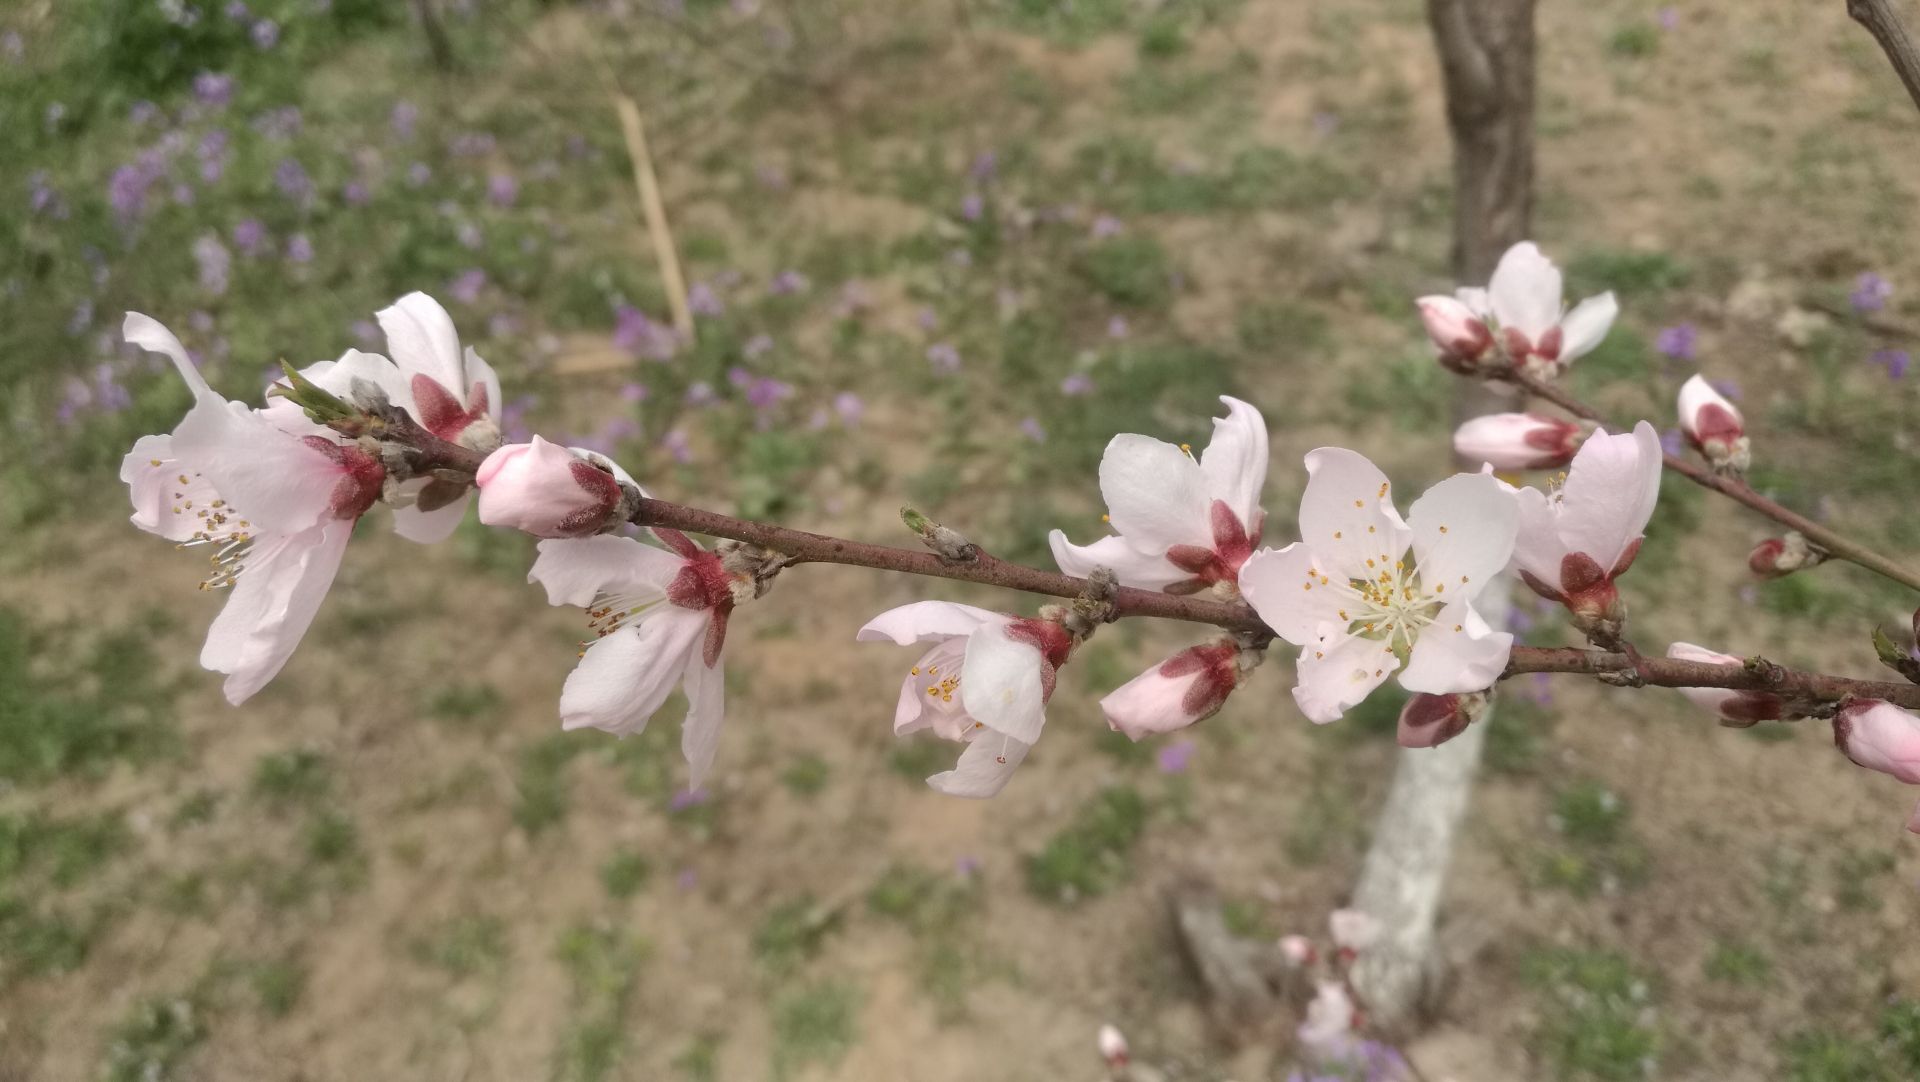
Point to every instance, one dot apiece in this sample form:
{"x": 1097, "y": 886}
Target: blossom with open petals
{"x": 1517, "y": 441}
{"x": 1360, "y": 610}
{"x": 1190, "y": 686}
{"x": 1183, "y": 524}
{"x": 985, "y": 681}
{"x": 659, "y": 618}
{"x": 549, "y": 491}
{"x": 1575, "y": 541}
{"x": 1735, "y": 708}
{"x": 1522, "y": 308}
{"x": 274, "y": 506}
{"x": 1713, "y": 426}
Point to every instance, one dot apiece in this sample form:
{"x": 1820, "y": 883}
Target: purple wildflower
{"x": 299, "y": 249}
{"x": 855, "y": 298}
{"x": 677, "y": 446}
{"x": 405, "y": 115}
{"x": 237, "y": 11}
{"x": 787, "y": 282}
{"x": 703, "y": 301}
{"x": 1078, "y": 383}
{"x": 502, "y": 189}
{"x": 215, "y": 263}
{"x": 1678, "y": 341}
{"x": 926, "y": 319}
{"x": 1174, "y": 757}
{"x": 972, "y": 207}
{"x": 1106, "y": 226}
{"x": 265, "y": 34}
{"x": 127, "y": 189}
{"x": 1117, "y": 327}
{"x": 418, "y": 174}
{"x": 43, "y": 198}
{"x": 292, "y": 180}
{"x": 985, "y": 164}
{"x": 1031, "y": 428}
{"x": 282, "y": 123}
{"x": 212, "y": 153}
{"x": 1870, "y": 292}
{"x": 765, "y": 392}
{"x": 642, "y": 337}
{"x": 850, "y": 408}
{"x": 13, "y": 46}
{"x": 966, "y": 866}
{"x": 1668, "y": 18}
{"x": 1325, "y": 122}
{"x": 686, "y": 880}
{"x": 755, "y": 346}
{"x": 1672, "y": 443}
{"x": 212, "y": 90}
{"x": 467, "y": 285}
{"x": 477, "y": 144}
{"x": 250, "y": 236}
{"x": 143, "y": 112}
{"x": 943, "y": 356}
{"x": 355, "y": 193}
{"x": 1895, "y": 361}
{"x": 771, "y": 177}
{"x": 82, "y": 318}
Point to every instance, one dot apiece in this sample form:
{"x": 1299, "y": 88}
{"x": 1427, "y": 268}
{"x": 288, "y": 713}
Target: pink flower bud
{"x": 1779, "y": 556}
{"x": 1518, "y": 441}
{"x": 1298, "y": 949}
{"x": 1456, "y": 330}
{"x": 1713, "y": 425}
{"x": 1735, "y": 709}
{"x": 1113, "y": 1046}
{"x": 547, "y": 490}
{"x": 1185, "y": 688}
{"x": 1879, "y": 736}
{"x": 1428, "y": 721}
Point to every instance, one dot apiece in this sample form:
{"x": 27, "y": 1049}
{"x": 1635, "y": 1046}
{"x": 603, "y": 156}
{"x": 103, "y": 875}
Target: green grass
{"x": 1593, "y": 1017}
{"x": 813, "y": 1025}
{"x": 467, "y": 945}
{"x": 1091, "y": 855}
{"x": 792, "y": 932}
{"x": 152, "y": 1043}
{"x": 73, "y": 704}
{"x": 603, "y": 967}
{"x": 295, "y": 778}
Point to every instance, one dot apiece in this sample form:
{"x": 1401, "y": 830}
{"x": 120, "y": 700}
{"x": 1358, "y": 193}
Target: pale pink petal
{"x": 1712, "y": 700}
{"x": 926, "y": 621}
{"x": 429, "y": 527}
{"x": 1517, "y": 441}
{"x": 1610, "y": 493}
{"x": 1455, "y": 328}
{"x": 1001, "y": 684}
{"x": 1463, "y": 531}
{"x": 1457, "y": 652}
{"x": 984, "y": 768}
{"x": 706, "y": 707}
{"x": 1130, "y": 566}
{"x": 1537, "y": 548}
{"x": 1296, "y": 595}
{"x": 150, "y": 334}
{"x": 1476, "y": 300}
{"x": 159, "y": 495}
{"x": 1525, "y": 292}
{"x": 1154, "y": 703}
{"x": 1347, "y": 515}
{"x": 422, "y": 339}
{"x": 286, "y": 485}
{"x": 1336, "y": 675}
{"x": 1235, "y": 461}
{"x": 1880, "y": 736}
{"x": 1585, "y": 326}
{"x": 272, "y": 605}
{"x": 625, "y": 677}
{"x": 577, "y": 571}
{"x": 928, "y": 692}
{"x": 1156, "y": 494}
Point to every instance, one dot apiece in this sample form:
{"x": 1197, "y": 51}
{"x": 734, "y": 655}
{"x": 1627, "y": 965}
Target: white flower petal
{"x": 1156, "y": 495}
{"x": 1347, "y": 515}
{"x": 1001, "y": 685}
{"x": 1235, "y": 461}
{"x": 1525, "y": 291}
{"x": 1445, "y": 660}
{"x": 984, "y": 768}
{"x": 1610, "y": 493}
{"x": 272, "y": 605}
{"x": 422, "y": 339}
{"x": 1284, "y": 586}
{"x": 1130, "y": 566}
{"x": 1537, "y": 548}
{"x": 1584, "y": 327}
{"x": 1463, "y": 531}
{"x": 429, "y": 527}
{"x": 481, "y": 373}
{"x": 286, "y": 485}
{"x": 575, "y": 571}
{"x": 926, "y": 621}
{"x": 1336, "y": 676}
{"x": 627, "y": 675}
{"x": 150, "y": 334}
{"x": 706, "y": 707}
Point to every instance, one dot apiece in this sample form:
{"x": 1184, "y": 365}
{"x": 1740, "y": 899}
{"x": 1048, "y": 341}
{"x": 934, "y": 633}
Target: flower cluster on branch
{"x": 1365, "y": 594}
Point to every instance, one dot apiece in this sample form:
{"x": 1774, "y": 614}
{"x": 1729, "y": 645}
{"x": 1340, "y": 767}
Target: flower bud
{"x": 1735, "y": 709}
{"x": 1713, "y": 425}
{"x": 1298, "y": 949}
{"x": 1186, "y": 688}
{"x": 1879, "y": 736}
{"x": 1778, "y": 556}
{"x": 1113, "y": 1046}
{"x": 1459, "y": 333}
{"x": 548, "y": 491}
{"x": 1517, "y": 441}
{"x": 1428, "y": 721}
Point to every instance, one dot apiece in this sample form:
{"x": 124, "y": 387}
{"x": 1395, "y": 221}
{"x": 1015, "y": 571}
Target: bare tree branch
{"x": 1884, "y": 24}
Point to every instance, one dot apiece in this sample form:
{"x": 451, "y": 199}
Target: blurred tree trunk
{"x": 1487, "y": 63}
{"x": 437, "y": 43}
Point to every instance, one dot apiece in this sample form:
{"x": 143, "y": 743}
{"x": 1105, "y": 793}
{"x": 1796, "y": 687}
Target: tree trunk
{"x": 1487, "y": 62}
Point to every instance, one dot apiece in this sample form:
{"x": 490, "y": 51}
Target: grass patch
{"x": 1090, "y": 856}
{"x": 1595, "y": 1020}
{"x": 813, "y": 1025}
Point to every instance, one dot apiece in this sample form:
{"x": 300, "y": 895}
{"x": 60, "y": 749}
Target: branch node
{"x": 949, "y": 544}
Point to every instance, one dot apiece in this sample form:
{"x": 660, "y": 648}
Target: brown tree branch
{"x": 1829, "y": 540}
{"x": 1880, "y": 19}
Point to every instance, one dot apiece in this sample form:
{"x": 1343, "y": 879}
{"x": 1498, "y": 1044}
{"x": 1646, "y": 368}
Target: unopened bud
{"x": 548, "y": 491}
{"x": 1714, "y": 426}
{"x": 1428, "y": 721}
{"x": 1879, "y": 736}
{"x": 1457, "y": 331}
{"x": 1779, "y": 556}
{"x": 1517, "y": 441}
{"x": 1113, "y": 1046}
{"x": 1298, "y": 949}
{"x": 1736, "y": 709}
